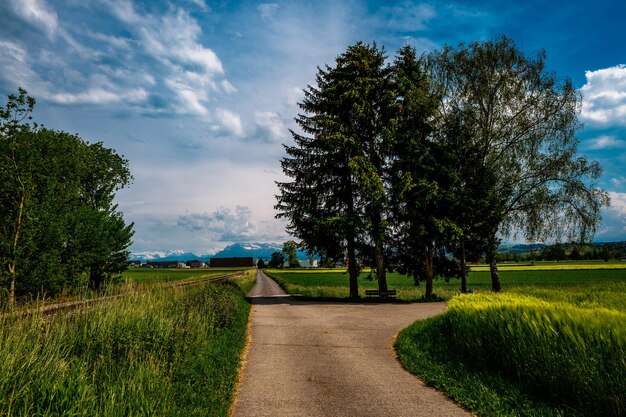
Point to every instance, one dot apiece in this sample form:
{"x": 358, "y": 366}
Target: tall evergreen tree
{"x": 419, "y": 177}
{"x": 337, "y": 199}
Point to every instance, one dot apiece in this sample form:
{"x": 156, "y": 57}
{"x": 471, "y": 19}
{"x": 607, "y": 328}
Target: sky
{"x": 200, "y": 95}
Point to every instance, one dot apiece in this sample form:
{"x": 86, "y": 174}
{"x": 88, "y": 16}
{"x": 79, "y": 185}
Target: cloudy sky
{"x": 199, "y": 94}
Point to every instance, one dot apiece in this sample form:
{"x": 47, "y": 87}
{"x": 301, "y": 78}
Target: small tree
{"x": 277, "y": 260}
{"x": 291, "y": 254}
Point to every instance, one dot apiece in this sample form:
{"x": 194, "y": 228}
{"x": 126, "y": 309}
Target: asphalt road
{"x": 331, "y": 359}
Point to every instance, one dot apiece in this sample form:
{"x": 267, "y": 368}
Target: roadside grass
{"x": 532, "y": 351}
{"x": 333, "y": 283}
{"x": 165, "y": 351}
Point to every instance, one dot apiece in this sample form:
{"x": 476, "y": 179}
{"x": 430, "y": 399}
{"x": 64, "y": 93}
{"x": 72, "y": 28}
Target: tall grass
{"x": 538, "y": 351}
{"x": 566, "y": 352}
{"x": 171, "y": 352}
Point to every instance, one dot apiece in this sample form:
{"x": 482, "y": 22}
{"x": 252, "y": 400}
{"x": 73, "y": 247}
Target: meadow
{"x": 333, "y": 283}
{"x": 160, "y": 275}
{"x": 162, "y": 351}
{"x": 552, "y": 344}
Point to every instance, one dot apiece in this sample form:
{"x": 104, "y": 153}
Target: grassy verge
{"x": 171, "y": 352}
{"x": 334, "y": 283}
{"x": 557, "y": 352}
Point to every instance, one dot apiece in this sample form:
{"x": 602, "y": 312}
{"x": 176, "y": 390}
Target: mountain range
{"x": 255, "y": 250}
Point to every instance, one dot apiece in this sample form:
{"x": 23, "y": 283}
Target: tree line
{"x": 59, "y": 226}
{"x": 425, "y": 162}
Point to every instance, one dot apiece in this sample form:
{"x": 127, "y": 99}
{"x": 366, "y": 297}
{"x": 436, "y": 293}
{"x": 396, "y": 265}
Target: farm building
{"x": 196, "y": 263}
{"x": 232, "y": 262}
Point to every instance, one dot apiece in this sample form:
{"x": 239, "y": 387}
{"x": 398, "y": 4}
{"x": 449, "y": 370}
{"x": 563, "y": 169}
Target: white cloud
{"x": 229, "y": 121}
{"x": 406, "y": 16}
{"x": 227, "y": 87}
{"x": 267, "y": 10}
{"x": 37, "y": 13}
{"x": 618, "y": 204}
{"x": 614, "y": 218}
{"x": 228, "y": 225}
{"x": 618, "y": 182}
{"x": 604, "y": 96}
{"x": 606, "y": 142}
{"x": 99, "y": 96}
{"x": 271, "y": 124}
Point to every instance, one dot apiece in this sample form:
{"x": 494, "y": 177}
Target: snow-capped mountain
{"x": 256, "y": 250}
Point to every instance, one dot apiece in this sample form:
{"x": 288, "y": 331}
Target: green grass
{"x": 542, "y": 350}
{"x": 159, "y": 275}
{"x": 166, "y": 351}
{"x": 334, "y": 283}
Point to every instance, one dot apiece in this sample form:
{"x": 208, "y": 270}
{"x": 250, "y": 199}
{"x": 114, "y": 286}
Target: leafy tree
{"x": 260, "y": 263}
{"x": 289, "y": 250}
{"x": 56, "y": 198}
{"x": 277, "y": 260}
{"x": 420, "y": 181}
{"x": 522, "y": 120}
{"x": 336, "y": 201}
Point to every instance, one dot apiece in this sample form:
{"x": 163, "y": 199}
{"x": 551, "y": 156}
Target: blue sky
{"x": 199, "y": 94}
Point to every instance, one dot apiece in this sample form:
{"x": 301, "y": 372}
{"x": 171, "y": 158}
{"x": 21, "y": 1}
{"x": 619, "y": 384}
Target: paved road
{"x": 331, "y": 359}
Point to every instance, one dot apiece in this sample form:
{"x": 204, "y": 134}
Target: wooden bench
{"x": 383, "y": 296}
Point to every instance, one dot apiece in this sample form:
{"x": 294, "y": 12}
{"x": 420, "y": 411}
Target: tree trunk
{"x": 493, "y": 267}
{"x": 11, "y": 299}
{"x": 428, "y": 266}
{"x": 381, "y": 274}
{"x": 95, "y": 277}
{"x": 17, "y": 228}
{"x": 495, "y": 276}
{"x": 463, "y": 266}
{"x": 352, "y": 269}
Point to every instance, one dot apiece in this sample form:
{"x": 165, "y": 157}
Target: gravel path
{"x": 331, "y": 359}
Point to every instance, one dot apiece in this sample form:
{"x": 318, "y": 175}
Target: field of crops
{"x": 535, "y": 350}
{"x": 333, "y": 283}
{"x": 163, "y": 351}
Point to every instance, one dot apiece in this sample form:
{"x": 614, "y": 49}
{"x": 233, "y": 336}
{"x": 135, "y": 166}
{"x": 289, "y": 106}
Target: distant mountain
{"x": 520, "y": 248}
{"x": 236, "y": 250}
{"x": 166, "y": 256}
{"x": 256, "y": 250}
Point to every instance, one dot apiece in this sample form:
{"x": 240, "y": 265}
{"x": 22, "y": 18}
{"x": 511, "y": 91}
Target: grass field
{"x": 164, "y": 351}
{"x": 333, "y": 283}
{"x": 552, "y": 344}
{"x": 155, "y": 275}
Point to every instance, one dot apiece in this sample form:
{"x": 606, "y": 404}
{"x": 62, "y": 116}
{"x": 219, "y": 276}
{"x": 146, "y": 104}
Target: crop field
{"x": 163, "y": 351}
{"x": 333, "y": 283}
{"x": 556, "y": 347}
{"x": 154, "y": 275}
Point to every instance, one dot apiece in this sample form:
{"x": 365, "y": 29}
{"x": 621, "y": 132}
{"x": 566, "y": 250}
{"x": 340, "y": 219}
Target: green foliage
{"x": 558, "y": 348}
{"x": 277, "y": 260}
{"x": 289, "y": 250}
{"x": 165, "y": 352}
{"x": 336, "y": 200}
{"x": 58, "y": 224}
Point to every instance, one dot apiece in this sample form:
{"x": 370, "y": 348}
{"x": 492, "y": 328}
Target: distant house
{"x": 232, "y": 262}
{"x": 196, "y": 263}
{"x": 134, "y": 263}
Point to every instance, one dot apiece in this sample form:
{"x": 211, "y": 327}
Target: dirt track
{"x": 331, "y": 359}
